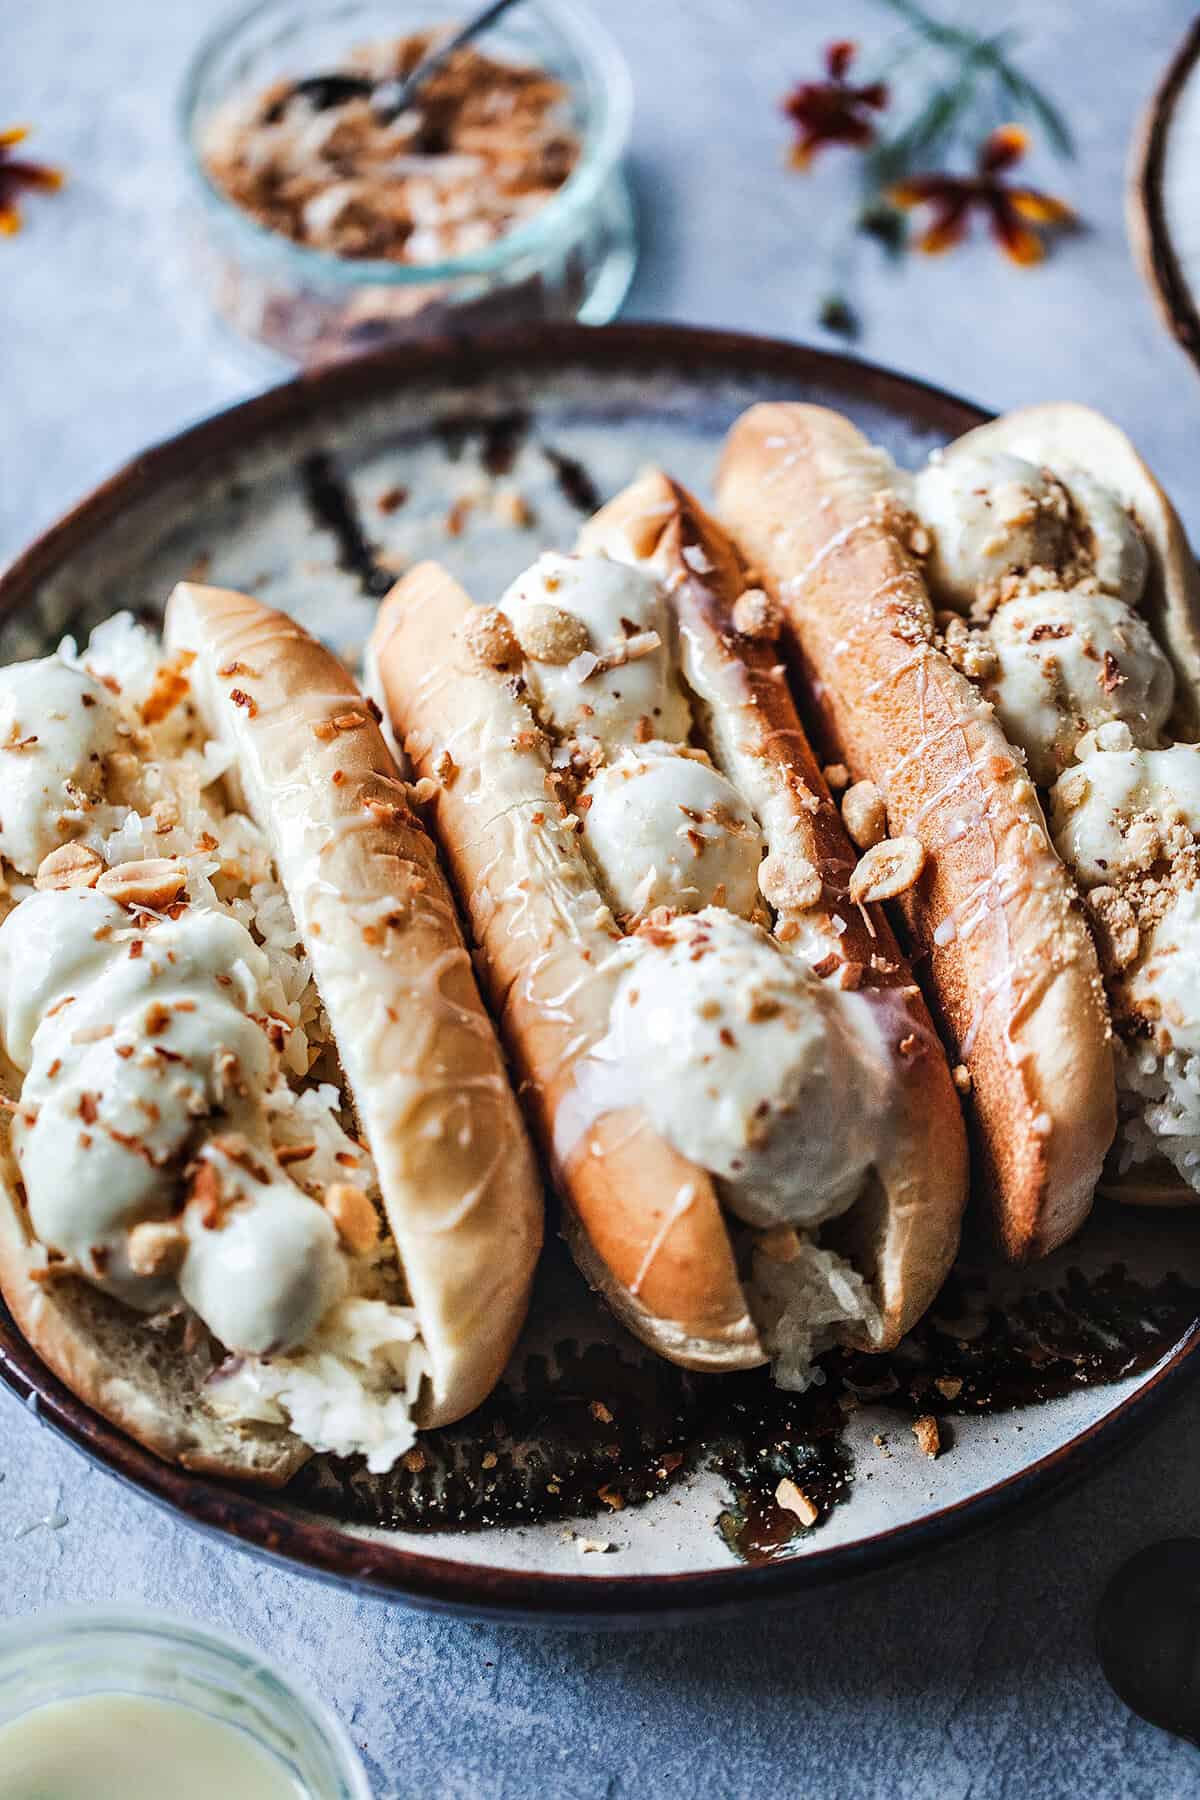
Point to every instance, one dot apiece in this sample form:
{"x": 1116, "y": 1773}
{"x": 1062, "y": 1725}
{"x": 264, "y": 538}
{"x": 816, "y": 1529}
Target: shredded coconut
{"x": 800, "y": 1305}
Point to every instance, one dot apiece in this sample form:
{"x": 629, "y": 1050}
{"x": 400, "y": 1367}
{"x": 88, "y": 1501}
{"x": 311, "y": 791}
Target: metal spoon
{"x": 391, "y": 98}
{"x": 388, "y": 98}
{"x": 1148, "y": 1635}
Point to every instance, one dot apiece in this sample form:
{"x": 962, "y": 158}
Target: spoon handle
{"x": 392, "y": 97}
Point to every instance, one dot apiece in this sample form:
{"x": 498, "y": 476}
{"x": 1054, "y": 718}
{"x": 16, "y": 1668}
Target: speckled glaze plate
{"x": 312, "y": 496}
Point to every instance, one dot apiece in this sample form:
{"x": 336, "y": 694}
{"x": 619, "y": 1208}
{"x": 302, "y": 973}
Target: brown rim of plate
{"x": 1146, "y": 212}
{"x": 263, "y": 1524}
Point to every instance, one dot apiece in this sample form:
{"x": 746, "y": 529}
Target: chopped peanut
{"x": 887, "y": 870}
{"x": 756, "y": 615}
{"x": 925, "y": 1430}
{"x": 789, "y": 885}
{"x": 779, "y": 1244}
{"x": 156, "y": 1246}
{"x": 864, "y": 814}
{"x": 1115, "y": 925}
{"x": 490, "y": 639}
{"x": 154, "y": 883}
{"x": 550, "y": 635}
{"x": 794, "y": 1500}
{"x": 71, "y": 865}
{"x": 354, "y": 1216}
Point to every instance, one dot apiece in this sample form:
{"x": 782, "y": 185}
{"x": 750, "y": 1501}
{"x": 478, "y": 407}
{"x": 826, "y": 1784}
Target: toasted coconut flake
{"x": 156, "y": 1246}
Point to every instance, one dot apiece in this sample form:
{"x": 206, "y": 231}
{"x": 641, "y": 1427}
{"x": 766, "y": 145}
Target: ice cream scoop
{"x": 1069, "y": 661}
{"x": 667, "y": 829}
{"x": 743, "y": 1060}
{"x": 988, "y": 516}
{"x": 595, "y": 635}
{"x": 1111, "y": 814}
{"x": 57, "y": 725}
{"x": 1113, "y": 543}
{"x": 1164, "y": 987}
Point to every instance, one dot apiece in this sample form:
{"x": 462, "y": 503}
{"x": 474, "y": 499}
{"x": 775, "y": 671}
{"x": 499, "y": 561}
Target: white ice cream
{"x": 1115, "y": 545}
{"x": 131, "y": 1061}
{"x": 1165, "y": 985}
{"x": 774, "y": 1081}
{"x": 988, "y": 516}
{"x": 666, "y": 830}
{"x": 1108, "y": 815}
{"x": 615, "y": 603}
{"x": 56, "y": 727}
{"x": 1069, "y": 662}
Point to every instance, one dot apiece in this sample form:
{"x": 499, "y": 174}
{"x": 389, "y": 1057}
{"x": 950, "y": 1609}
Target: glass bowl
{"x": 573, "y": 259}
{"x": 76, "y": 1653}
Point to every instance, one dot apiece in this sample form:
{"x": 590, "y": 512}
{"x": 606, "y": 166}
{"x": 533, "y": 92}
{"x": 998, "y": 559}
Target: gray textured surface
{"x": 970, "y": 1675}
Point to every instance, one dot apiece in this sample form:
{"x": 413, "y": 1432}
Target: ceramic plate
{"x": 618, "y": 1489}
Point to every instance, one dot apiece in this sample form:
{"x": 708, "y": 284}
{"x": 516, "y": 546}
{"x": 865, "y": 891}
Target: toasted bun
{"x": 457, "y": 1177}
{"x": 994, "y": 922}
{"x": 645, "y": 1222}
{"x": 904, "y": 1230}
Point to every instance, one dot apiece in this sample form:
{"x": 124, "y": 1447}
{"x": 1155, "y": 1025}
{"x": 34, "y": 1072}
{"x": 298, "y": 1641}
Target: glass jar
{"x": 47, "y": 1658}
{"x": 573, "y": 259}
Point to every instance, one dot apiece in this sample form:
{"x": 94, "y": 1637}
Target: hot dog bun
{"x": 459, "y": 1185}
{"x": 457, "y": 1181}
{"x": 995, "y": 924}
{"x": 644, "y": 1222}
{"x": 904, "y": 1229}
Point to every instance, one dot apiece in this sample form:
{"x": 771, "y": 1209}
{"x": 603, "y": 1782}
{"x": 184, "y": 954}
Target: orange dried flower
{"x": 1011, "y": 212}
{"x": 832, "y": 111}
{"x": 16, "y": 175}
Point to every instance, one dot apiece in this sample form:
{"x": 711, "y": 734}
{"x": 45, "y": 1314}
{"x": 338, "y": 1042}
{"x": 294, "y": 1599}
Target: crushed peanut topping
{"x": 549, "y": 635}
{"x": 793, "y": 1499}
{"x": 326, "y": 162}
{"x": 756, "y": 615}
{"x": 887, "y": 870}
{"x": 1115, "y": 925}
{"x": 351, "y": 1211}
{"x": 154, "y": 883}
{"x": 491, "y": 641}
{"x": 864, "y": 814}
{"x": 789, "y": 884}
{"x": 929, "y": 1438}
{"x": 71, "y": 865}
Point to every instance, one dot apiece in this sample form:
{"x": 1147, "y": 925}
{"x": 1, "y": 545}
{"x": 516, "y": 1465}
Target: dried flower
{"x": 832, "y": 111}
{"x": 16, "y": 174}
{"x": 1011, "y": 211}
